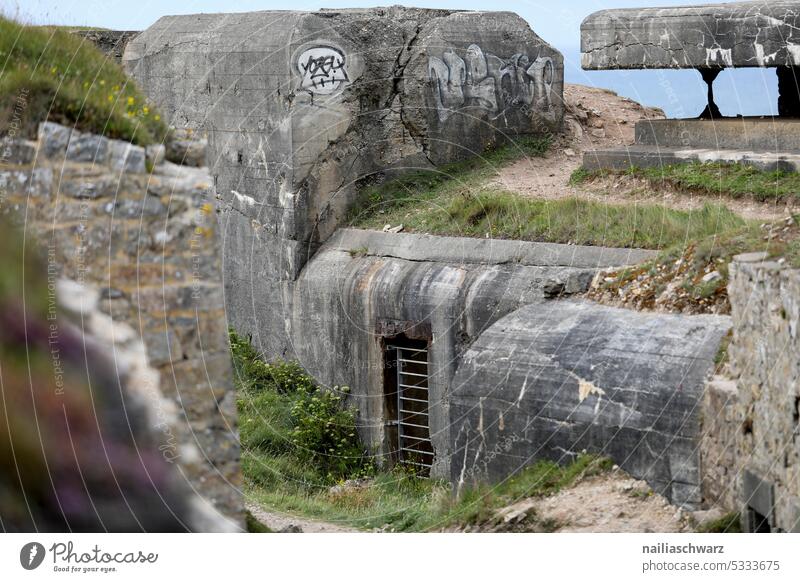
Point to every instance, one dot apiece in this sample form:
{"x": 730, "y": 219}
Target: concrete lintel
{"x": 464, "y": 250}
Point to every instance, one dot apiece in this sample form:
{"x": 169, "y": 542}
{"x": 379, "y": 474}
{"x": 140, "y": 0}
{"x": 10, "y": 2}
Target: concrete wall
{"x": 549, "y": 381}
{"x": 765, "y": 361}
{"x": 146, "y": 247}
{"x": 365, "y": 287}
{"x": 748, "y": 134}
{"x": 300, "y": 107}
{"x": 735, "y": 34}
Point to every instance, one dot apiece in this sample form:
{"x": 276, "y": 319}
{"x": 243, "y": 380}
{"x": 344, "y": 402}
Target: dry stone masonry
{"x": 140, "y": 255}
{"x": 765, "y": 362}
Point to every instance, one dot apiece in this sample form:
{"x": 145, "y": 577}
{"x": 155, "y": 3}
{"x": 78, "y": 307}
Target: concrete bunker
{"x": 709, "y": 38}
{"x": 300, "y": 108}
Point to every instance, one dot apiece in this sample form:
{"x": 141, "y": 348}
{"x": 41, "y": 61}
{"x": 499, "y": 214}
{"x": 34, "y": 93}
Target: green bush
{"x": 256, "y": 374}
{"x": 284, "y": 414}
{"x": 325, "y": 434}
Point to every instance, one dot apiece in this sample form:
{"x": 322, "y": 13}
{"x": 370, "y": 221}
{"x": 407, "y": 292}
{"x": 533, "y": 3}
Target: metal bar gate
{"x": 414, "y": 445}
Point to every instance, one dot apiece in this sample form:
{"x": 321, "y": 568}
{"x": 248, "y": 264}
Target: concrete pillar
{"x": 789, "y": 91}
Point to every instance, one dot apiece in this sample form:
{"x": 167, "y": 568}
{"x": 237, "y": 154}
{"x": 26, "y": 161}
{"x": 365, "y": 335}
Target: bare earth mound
{"x": 596, "y": 119}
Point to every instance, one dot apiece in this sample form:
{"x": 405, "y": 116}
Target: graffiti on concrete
{"x": 322, "y": 69}
{"x": 487, "y": 81}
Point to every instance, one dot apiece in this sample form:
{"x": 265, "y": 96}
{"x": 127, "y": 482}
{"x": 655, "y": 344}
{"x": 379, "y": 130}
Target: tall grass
{"x": 64, "y": 78}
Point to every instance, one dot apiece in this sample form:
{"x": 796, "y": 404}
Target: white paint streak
{"x": 715, "y": 55}
{"x": 794, "y": 50}
{"x": 761, "y": 58}
{"x": 243, "y": 198}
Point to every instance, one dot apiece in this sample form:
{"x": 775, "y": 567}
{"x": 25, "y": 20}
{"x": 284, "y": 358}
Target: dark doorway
{"x": 407, "y": 403}
{"x": 757, "y": 523}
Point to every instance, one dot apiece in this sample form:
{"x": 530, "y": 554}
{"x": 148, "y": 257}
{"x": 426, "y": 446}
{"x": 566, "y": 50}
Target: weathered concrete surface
{"x": 549, "y": 381}
{"x": 642, "y": 156}
{"x": 740, "y": 34}
{"x": 754, "y": 134}
{"x": 364, "y": 287}
{"x": 765, "y": 362}
{"x": 299, "y": 107}
{"x": 764, "y": 143}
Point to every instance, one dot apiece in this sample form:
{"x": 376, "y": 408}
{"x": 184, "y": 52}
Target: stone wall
{"x": 721, "y": 423}
{"x": 110, "y": 42}
{"x": 146, "y": 245}
{"x": 765, "y": 361}
{"x": 302, "y": 107}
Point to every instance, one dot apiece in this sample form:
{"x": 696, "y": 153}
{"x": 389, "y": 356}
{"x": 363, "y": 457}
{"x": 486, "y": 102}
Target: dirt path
{"x": 595, "y": 119}
{"x": 284, "y": 523}
{"x": 612, "y": 502}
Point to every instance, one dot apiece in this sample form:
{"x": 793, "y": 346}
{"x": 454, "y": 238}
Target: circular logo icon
{"x": 31, "y": 555}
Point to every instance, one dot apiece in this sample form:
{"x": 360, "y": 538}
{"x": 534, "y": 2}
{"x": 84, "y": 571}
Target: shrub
{"x": 284, "y": 413}
{"x": 256, "y": 374}
{"x": 325, "y": 433}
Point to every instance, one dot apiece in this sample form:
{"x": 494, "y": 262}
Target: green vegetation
{"x": 291, "y": 430}
{"x": 732, "y": 180}
{"x": 459, "y": 200}
{"x": 253, "y": 525}
{"x": 287, "y": 416}
{"x": 62, "y": 78}
{"x": 729, "y": 523}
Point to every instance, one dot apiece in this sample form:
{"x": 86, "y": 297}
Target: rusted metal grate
{"x": 414, "y": 447}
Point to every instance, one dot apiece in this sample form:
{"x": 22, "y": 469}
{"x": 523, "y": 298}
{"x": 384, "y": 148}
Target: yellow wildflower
{"x": 131, "y": 100}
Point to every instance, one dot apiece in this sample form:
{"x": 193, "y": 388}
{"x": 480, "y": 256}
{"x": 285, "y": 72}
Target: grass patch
{"x": 342, "y": 485}
{"x": 732, "y": 180}
{"x": 729, "y": 523}
{"x": 253, "y": 525}
{"x": 65, "y": 79}
{"x": 459, "y": 200}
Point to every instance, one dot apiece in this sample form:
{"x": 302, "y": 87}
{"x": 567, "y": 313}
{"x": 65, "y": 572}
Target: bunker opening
{"x": 407, "y": 403}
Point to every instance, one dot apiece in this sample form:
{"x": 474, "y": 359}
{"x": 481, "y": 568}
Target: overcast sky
{"x": 751, "y": 92}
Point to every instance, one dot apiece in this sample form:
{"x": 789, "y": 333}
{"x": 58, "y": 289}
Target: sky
{"x": 679, "y": 93}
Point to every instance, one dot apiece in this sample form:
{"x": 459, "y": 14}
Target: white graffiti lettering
{"x": 487, "y": 81}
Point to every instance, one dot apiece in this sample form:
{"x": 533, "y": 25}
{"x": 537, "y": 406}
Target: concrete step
{"x": 758, "y": 134}
{"x": 647, "y": 156}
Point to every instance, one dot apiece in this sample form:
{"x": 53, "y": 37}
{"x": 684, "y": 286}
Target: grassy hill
{"x": 46, "y": 73}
